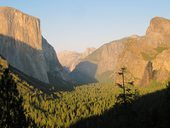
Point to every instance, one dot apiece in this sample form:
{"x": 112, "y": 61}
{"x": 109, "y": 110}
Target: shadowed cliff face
{"x": 50, "y": 56}
{"x": 54, "y": 68}
{"x": 22, "y": 44}
{"x": 19, "y": 30}
{"x": 85, "y": 76}
{"x": 26, "y": 60}
{"x": 134, "y": 52}
{"x": 148, "y": 75}
{"x": 23, "y": 57}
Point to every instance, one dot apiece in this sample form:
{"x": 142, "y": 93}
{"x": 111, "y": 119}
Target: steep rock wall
{"x": 23, "y": 46}
{"x": 21, "y": 43}
{"x": 134, "y": 53}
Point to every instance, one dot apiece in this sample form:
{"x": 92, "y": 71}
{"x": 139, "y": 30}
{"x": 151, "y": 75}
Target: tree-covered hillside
{"x": 93, "y": 106}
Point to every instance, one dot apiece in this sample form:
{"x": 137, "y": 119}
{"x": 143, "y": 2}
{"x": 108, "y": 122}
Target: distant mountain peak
{"x": 70, "y": 59}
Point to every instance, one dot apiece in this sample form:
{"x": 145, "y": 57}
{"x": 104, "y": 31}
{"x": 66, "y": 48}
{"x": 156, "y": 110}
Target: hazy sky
{"x": 77, "y": 24}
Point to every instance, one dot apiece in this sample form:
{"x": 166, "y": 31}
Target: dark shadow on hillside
{"x": 84, "y": 73}
{"x": 29, "y": 59}
{"x": 149, "y": 111}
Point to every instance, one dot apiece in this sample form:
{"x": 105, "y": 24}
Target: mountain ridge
{"x": 133, "y": 53}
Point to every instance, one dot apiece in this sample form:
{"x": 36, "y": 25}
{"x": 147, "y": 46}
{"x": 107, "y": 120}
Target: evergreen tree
{"x": 127, "y": 95}
{"x": 12, "y": 112}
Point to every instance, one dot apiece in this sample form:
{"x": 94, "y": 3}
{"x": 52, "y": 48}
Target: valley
{"x": 122, "y": 84}
{"x": 66, "y": 109}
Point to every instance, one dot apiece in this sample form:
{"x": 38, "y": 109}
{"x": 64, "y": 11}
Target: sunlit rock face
{"x": 159, "y": 26}
{"x": 134, "y": 53}
{"x": 22, "y": 44}
{"x": 20, "y": 26}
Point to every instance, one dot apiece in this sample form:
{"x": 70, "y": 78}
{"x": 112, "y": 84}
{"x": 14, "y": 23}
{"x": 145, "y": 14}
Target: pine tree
{"x": 127, "y": 95}
{"x": 12, "y": 112}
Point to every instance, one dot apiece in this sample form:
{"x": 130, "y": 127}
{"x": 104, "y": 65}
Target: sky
{"x": 78, "y": 24}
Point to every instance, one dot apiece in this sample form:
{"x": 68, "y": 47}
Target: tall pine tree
{"x": 127, "y": 95}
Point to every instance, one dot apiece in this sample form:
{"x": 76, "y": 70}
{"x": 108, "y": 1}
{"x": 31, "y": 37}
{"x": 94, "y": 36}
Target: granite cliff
{"x": 23, "y": 46}
{"x": 134, "y": 52}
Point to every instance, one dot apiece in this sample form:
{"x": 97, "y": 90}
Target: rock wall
{"x": 22, "y": 44}
{"x": 134, "y": 53}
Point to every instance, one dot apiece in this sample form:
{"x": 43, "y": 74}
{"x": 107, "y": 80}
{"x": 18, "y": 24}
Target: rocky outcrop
{"x": 159, "y": 25}
{"x": 23, "y": 46}
{"x": 69, "y": 59}
{"x": 162, "y": 64}
{"x": 134, "y": 52}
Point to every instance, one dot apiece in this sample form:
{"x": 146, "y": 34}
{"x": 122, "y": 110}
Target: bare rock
{"x": 22, "y": 44}
{"x": 70, "y": 59}
{"x": 134, "y": 53}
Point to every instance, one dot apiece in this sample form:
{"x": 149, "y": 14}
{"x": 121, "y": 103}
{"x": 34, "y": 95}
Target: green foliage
{"x": 12, "y": 112}
{"x": 150, "y": 88}
{"x": 154, "y": 83}
{"x": 69, "y": 107}
{"x": 151, "y": 110}
{"x": 62, "y": 109}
